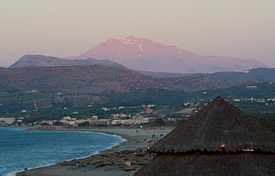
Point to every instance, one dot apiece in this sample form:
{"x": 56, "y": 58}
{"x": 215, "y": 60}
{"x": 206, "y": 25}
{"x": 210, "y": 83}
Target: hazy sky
{"x": 237, "y": 28}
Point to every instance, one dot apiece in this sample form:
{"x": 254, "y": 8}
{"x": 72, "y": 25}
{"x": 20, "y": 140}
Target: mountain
{"x": 48, "y": 61}
{"x": 262, "y": 74}
{"x": 145, "y": 55}
{"x": 99, "y": 80}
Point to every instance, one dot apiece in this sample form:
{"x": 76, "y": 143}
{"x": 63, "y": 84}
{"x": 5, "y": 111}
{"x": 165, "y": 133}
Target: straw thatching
{"x": 218, "y": 140}
{"x": 217, "y": 127}
{"x": 210, "y": 164}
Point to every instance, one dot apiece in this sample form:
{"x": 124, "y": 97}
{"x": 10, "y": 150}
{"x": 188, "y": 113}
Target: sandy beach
{"x": 136, "y": 139}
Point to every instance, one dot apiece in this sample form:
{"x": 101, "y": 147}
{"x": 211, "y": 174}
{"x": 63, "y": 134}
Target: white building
{"x": 7, "y": 121}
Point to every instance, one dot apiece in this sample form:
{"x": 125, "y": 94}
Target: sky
{"x": 236, "y": 28}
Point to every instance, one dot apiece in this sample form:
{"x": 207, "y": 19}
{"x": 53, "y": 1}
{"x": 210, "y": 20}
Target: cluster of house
{"x": 94, "y": 120}
{"x": 258, "y": 100}
{"x": 7, "y": 121}
{"x": 138, "y": 119}
{"x": 10, "y": 121}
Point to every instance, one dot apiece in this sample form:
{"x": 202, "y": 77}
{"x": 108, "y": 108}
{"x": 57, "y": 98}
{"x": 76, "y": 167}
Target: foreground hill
{"x": 99, "y": 80}
{"x": 145, "y": 55}
{"x": 48, "y": 61}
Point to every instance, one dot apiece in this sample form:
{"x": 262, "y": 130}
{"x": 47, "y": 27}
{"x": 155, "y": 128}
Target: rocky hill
{"x": 48, "y": 61}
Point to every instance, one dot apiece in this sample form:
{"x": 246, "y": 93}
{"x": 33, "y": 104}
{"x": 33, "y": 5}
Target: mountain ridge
{"x": 262, "y": 74}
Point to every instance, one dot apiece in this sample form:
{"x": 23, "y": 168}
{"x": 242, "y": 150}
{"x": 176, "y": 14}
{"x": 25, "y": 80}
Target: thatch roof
{"x": 217, "y": 127}
{"x": 210, "y": 164}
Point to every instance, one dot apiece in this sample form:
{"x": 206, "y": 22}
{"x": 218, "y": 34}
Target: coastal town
{"x": 151, "y": 114}
{"x": 114, "y": 119}
{"x": 113, "y": 116}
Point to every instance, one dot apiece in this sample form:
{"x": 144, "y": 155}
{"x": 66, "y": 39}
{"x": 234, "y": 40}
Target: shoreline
{"x": 133, "y": 141}
{"x": 14, "y": 173}
{"x": 125, "y": 138}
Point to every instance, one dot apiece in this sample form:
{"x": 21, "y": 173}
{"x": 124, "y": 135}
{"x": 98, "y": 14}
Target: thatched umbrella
{"x": 220, "y": 139}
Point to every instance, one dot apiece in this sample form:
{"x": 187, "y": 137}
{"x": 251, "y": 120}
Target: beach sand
{"x": 134, "y": 141}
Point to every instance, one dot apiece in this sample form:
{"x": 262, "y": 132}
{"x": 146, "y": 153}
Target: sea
{"x": 21, "y": 149}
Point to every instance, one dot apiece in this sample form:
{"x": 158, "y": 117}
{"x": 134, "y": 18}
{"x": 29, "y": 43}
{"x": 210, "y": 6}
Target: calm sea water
{"x": 21, "y": 149}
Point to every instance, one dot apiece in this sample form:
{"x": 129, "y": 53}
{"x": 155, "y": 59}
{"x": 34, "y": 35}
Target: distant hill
{"x": 163, "y": 74}
{"x": 145, "y": 55}
{"x": 262, "y": 74}
{"x": 48, "y": 61}
{"x": 99, "y": 80}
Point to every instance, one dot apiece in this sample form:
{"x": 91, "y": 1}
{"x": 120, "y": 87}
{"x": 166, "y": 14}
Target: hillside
{"x": 77, "y": 88}
{"x": 99, "y": 80}
{"x": 145, "y": 55}
{"x": 48, "y": 61}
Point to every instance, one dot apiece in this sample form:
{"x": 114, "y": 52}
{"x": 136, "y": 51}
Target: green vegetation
{"x": 255, "y": 107}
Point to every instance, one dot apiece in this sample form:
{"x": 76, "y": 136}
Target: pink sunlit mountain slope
{"x": 145, "y": 55}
